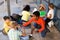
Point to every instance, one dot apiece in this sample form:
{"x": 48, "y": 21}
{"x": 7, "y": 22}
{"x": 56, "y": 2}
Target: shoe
{"x": 30, "y": 35}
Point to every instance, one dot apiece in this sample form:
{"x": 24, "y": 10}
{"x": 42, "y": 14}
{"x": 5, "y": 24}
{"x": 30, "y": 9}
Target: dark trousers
{"x": 47, "y": 21}
{"x": 21, "y": 21}
{"x": 43, "y": 33}
{"x": 46, "y": 24}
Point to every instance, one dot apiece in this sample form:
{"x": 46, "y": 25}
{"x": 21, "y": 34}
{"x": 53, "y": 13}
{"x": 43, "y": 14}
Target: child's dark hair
{"x": 6, "y": 17}
{"x": 26, "y": 8}
{"x": 36, "y": 13}
{"x": 51, "y": 5}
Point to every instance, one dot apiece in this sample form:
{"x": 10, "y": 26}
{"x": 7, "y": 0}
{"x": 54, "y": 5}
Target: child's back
{"x": 14, "y": 34}
{"x": 26, "y": 13}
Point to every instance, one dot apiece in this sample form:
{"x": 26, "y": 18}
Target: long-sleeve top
{"x": 40, "y": 22}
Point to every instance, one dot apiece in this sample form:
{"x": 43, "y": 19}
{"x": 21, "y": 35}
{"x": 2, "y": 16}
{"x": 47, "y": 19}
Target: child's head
{"x": 42, "y": 7}
{"x": 6, "y": 18}
{"x": 36, "y": 14}
{"x": 14, "y": 24}
{"x": 26, "y": 8}
{"x": 51, "y": 6}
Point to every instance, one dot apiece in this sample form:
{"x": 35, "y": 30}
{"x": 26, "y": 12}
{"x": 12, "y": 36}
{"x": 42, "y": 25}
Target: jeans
{"x": 43, "y": 33}
{"x": 21, "y": 21}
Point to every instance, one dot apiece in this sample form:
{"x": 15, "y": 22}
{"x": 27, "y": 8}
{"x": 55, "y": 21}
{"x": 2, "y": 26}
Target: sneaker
{"x": 30, "y": 35}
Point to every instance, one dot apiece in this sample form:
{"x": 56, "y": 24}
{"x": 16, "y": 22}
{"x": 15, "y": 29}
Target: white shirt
{"x": 51, "y": 12}
{"x": 14, "y": 34}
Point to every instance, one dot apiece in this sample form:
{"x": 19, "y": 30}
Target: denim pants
{"x": 43, "y": 33}
{"x": 21, "y": 21}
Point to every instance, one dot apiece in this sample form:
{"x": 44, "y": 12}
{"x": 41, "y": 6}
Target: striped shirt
{"x": 14, "y": 34}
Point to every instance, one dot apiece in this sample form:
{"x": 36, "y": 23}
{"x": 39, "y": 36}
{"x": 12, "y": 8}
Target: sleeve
{"x": 42, "y": 24}
{"x": 27, "y": 23}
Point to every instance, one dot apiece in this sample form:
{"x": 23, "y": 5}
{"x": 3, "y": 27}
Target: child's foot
{"x": 4, "y": 32}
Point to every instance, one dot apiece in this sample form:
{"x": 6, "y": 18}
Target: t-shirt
{"x": 51, "y": 12}
{"x": 14, "y": 34}
{"x": 40, "y": 22}
{"x": 6, "y": 26}
{"x": 42, "y": 13}
{"x": 25, "y": 15}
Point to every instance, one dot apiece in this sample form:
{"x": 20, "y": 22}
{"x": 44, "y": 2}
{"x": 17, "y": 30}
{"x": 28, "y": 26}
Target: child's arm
{"x": 49, "y": 16}
{"x": 27, "y": 23}
{"x": 23, "y": 31}
{"x": 9, "y": 27}
{"x": 23, "y": 34}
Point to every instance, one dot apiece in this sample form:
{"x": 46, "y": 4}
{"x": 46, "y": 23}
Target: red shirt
{"x": 40, "y": 22}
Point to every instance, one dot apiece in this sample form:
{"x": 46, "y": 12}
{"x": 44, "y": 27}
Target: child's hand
{"x": 23, "y": 31}
{"x": 24, "y": 34}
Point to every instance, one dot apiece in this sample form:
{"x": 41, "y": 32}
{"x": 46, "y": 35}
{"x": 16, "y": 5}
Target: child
{"x": 7, "y": 23}
{"x": 42, "y": 10}
{"x": 50, "y": 14}
{"x": 25, "y": 14}
{"x": 38, "y": 22}
{"x": 13, "y": 33}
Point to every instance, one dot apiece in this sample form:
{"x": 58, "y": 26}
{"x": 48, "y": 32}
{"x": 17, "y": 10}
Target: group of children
{"x": 37, "y": 22}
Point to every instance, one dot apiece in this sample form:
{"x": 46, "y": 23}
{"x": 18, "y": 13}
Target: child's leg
{"x": 34, "y": 25}
{"x": 43, "y": 33}
{"x": 22, "y": 21}
{"x": 4, "y": 32}
{"x": 47, "y": 20}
